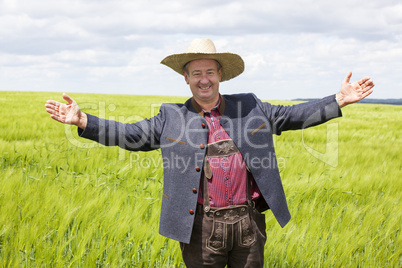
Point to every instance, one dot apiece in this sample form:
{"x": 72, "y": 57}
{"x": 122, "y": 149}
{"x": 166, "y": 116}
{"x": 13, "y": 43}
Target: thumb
{"x": 67, "y": 98}
{"x": 347, "y": 78}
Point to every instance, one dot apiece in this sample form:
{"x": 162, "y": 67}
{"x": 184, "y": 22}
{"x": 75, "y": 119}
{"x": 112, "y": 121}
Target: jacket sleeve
{"x": 301, "y": 115}
{"x": 140, "y": 136}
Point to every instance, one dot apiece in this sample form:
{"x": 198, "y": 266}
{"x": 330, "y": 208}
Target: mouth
{"x": 205, "y": 88}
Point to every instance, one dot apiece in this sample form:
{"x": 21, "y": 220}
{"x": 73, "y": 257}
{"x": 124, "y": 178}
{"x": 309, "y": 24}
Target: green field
{"x": 68, "y": 202}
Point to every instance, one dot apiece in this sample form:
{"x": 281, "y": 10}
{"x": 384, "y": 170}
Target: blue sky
{"x": 292, "y": 49}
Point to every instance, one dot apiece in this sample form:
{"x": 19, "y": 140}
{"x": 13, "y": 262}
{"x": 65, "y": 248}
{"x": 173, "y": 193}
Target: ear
{"x": 220, "y": 74}
{"x": 186, "y": 77}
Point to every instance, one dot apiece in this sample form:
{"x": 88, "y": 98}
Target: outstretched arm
{"x": 66, "y": 113}
{"x": 353, "y": 92}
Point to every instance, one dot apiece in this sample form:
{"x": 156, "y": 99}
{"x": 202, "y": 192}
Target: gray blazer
{"x": 180, "y": 131}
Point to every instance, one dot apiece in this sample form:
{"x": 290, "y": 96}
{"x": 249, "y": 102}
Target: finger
{"x": 52, "y": 107}
{"x": 368, "y": 92}
{"x": 363, "y": 81}
{"x": 51, "y": 102}
{"x": 51, "y": 110}
{"x": 368, "y": 84}
{"x": 347, "y": 78}
{"x": 49, "y": 106}
{"x": 67, "y": 98}
{"x": 57, "y": 118}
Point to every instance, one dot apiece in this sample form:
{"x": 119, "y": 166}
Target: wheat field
{"x": 69, "y": 202}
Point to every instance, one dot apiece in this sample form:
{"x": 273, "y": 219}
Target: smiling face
{"x": 203, "y": 77}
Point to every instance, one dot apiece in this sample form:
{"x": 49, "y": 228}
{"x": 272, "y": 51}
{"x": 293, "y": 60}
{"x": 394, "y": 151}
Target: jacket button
{"x": 197, "y": 169}
{"x": 191, "y": 211}
{"x": 202, "y": 146}
{"x": 203, "y": 125}
{"x": 194, "y": 190}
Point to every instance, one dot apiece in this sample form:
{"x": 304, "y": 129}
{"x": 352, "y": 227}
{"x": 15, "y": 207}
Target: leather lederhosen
{"x": 233, "y": 235}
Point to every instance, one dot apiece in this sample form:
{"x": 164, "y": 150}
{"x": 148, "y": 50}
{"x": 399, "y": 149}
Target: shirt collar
{"x": 216, "y": 108}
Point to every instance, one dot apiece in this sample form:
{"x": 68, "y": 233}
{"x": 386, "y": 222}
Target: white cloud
{"x": 292, "y": 49}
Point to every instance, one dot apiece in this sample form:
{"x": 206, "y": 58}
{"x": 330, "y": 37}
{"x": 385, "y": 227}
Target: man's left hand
{"x": 353, "y": 92}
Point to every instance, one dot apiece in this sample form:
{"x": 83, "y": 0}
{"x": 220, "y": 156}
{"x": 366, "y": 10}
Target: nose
{"x": 204, "y": 79}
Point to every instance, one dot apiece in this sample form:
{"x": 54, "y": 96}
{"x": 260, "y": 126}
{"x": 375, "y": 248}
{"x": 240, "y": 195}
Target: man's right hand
{"x": 66, "y": 113}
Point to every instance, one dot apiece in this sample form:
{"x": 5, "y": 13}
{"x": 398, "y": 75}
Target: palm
{"x": 67, "y": 113}
{"x": 354, "y": 92}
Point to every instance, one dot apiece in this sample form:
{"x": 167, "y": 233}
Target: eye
{"x": 196, "y": 74}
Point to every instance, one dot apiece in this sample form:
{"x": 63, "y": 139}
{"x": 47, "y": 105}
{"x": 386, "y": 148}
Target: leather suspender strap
{"x": 222, "y": 148}
{"x": 248, "y": 187}
{"x": 205, "y": 195}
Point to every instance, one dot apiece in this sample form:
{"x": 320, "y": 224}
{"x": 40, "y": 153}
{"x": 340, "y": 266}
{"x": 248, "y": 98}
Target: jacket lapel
{"x": 231, "y": 119}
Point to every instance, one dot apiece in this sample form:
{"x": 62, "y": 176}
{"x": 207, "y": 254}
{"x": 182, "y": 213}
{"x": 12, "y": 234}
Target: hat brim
{"x": 232, "y": 64}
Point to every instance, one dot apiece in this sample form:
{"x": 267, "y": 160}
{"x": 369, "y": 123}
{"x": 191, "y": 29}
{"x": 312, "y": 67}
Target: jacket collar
{"x": 200, "y": 111}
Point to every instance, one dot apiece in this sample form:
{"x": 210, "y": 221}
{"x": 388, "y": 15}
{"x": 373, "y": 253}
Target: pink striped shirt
{"x": 228, "y": 184}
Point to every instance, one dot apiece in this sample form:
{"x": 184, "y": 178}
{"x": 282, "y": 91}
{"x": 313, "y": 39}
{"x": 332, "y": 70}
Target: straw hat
{"x": 232, "y": 64}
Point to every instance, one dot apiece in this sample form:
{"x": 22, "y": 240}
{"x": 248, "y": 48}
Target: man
{"x": 212, "y": 200}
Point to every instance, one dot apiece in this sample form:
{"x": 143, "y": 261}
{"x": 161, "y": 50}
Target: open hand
{"x": 66, "y": 113}
{"x": 354, "y": 92}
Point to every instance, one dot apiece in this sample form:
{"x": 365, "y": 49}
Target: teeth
{"x": 205, "y": 87}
